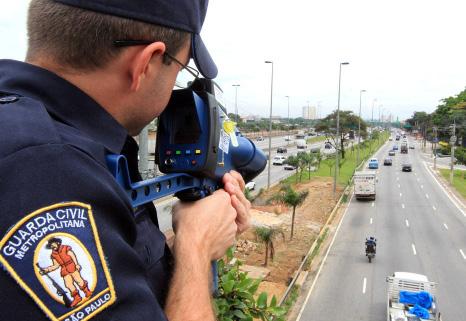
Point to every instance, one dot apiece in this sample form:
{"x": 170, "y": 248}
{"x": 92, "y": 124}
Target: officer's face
{"x": 54, "y": 246}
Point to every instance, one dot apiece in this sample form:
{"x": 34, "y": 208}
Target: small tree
{"x": 268, "y": 235}
{"x": 293, "y": 199}
{"x": 293, "y": 161}
{"x": 330, "y": 162}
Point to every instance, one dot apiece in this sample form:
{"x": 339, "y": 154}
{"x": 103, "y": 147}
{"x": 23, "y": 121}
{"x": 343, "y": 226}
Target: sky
{"x": 406, "y": 54}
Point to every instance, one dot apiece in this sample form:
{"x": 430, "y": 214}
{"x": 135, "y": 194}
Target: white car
{"x": 278, "y": 160}
{"x": 250, "y": 185}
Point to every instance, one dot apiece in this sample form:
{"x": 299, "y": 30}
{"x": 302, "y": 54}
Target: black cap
{"x": 186, "y": 15}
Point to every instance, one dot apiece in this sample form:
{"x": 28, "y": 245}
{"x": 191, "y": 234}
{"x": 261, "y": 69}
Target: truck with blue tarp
{"x": 411, "y": 297}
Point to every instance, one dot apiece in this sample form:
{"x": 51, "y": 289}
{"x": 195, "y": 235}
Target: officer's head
{"x": 135, "y": 49}
{"x": 53, "y": 243}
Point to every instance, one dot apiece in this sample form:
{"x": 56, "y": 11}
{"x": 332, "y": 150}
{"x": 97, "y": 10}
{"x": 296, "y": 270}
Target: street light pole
{"x": 359, "y": 125}
{"x": 289, "y": 125}
{"x": 236, "y": 103}
{"x": 270, "y": 125}
{"x": 337, "y": 148}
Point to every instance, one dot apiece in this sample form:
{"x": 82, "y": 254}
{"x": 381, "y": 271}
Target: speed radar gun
{"x": 196, "y": 145}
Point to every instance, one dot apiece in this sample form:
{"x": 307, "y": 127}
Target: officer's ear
{"x": 141, "y": 62}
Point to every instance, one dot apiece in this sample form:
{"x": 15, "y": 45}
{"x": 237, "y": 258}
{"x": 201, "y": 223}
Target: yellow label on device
{"x": 229, "y": 127}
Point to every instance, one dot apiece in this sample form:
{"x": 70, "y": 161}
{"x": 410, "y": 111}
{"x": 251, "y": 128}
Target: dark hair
{"x": 53, "y": 240}
{"x": 83, "y": 39}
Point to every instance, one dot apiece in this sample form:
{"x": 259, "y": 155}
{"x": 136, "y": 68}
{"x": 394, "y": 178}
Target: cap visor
{"x": 202, "y": 58}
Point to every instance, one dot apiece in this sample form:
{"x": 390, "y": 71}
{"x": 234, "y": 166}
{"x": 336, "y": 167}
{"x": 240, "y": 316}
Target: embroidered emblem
{"x": 55, "y": 255}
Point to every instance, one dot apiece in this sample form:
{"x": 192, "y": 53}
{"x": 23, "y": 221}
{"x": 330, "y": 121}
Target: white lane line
{"x": 322, "y": 264}
{"x": 397, "y": 178}
{"x": 434, "y": 208}
{"x": 415, "y": 174}
{"x": 399, "y": 186}
{"x": 452, "y": 198}
{"x": 462, "y": 253}
{"x": 422, "y": 186}
{"x": 373, "y": 204}
{"x": 371, "y": 220}
{"x": 414, "y": 249}
{"x": 402, "y": 206}
{"x": 364, "y": 283}
{"x": 407, "y": 223}
{"x": 446, "y": 226}
{"x": 418, "y": 179}
{"x": 401, "y": 194}
{"x": 427, "y": 195}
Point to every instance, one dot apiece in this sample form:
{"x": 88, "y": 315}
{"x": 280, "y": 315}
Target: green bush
{"x": 235, "y": 298}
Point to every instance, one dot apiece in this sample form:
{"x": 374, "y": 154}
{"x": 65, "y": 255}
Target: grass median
{"x": 459, "y": 180}
{"x": 348, "y": 164}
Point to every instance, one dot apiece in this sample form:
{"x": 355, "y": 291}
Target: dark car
{"x": 387, "y": 162}
{"x": 327, "y": 145}
{"x": 281, "y": 150}
{"x": 406, "y": 167}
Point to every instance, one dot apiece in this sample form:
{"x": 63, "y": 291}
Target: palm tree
{"x": 294, "y": 161}
{"x": 268, "y": 235}
{"x": 293, "y": 199}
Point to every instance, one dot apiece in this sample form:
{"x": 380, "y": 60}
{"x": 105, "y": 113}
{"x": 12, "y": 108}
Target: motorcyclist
{"x": 371, "y": 245}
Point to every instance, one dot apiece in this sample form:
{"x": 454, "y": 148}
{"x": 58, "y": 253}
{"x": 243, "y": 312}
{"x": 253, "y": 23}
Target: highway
{"x": 419, "y": 229}
{"x": 277, "y": 173}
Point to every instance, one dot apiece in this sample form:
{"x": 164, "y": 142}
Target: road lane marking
{"x": 434, "y": 208}
{"x": 397, "y": 178}
{"x": 407, "y": 223}
{"x": 364, "y": 283}
{"x": 371, "y": 220}
{"x": 414, "y": 249}
{"x": 401, "y": 194}
{"x": 446, "y": 226}
{"x": 422, "y": 186}
{"x": 427, "y": 195}
{"x": 399, "y": 186}
{"x": 322, "y": 263}
{"x": 453, "y": 199}
{"x": 402, "y": 206}
{"x": 462, "y": 253}
{"x": 415, "y": 174}
{"x": 373, "y": 204}
{"x": 418, "y": 179}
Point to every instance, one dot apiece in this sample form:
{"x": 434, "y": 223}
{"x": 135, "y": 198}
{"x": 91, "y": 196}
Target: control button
{"x": 178, "y": 152}
{"x": 198, "y": 151}
{"x": 168, "y": 152}
{"x": 169, "y": 161}
{"x": 188, "y": 152}
{"x": 193, "y": 162}
{"x": 8, "y": 99}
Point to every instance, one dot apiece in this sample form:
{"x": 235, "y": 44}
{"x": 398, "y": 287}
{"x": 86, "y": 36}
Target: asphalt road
{"x": 418, "y": 228}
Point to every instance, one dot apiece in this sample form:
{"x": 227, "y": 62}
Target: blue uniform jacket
{"x": 54, "y": 182}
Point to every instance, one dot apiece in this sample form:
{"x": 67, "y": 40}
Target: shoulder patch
{"x": 55, "y": 255}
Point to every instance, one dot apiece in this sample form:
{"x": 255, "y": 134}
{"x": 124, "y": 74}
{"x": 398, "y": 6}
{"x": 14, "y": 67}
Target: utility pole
{"x": 435, "y": 148}
{"x": 270, "y": 125}
{"x": 337, "y": 148}
{"x": 359, "y": 126}
{"x": 452, "y": 143}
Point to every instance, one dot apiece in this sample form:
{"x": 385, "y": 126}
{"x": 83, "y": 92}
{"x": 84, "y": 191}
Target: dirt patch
{"x": 310, "y": 218}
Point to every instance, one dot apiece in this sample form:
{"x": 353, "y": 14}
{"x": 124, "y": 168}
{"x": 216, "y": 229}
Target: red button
{"x": 168, "y": 152}
{"x": 193, "y": 162}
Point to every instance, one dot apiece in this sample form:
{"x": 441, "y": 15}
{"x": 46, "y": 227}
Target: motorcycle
{"x": 371, "y": 248}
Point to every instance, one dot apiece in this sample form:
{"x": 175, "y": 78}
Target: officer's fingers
{"x": 242, "y": 214}
{"x": 238, "y": 178}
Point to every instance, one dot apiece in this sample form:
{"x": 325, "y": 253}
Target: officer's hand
{"x": 234, "y": 185}
{"x": 207, "y": 226}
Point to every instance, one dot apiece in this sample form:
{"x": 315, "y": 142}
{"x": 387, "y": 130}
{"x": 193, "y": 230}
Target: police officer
{"x": 96, "y": 73}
